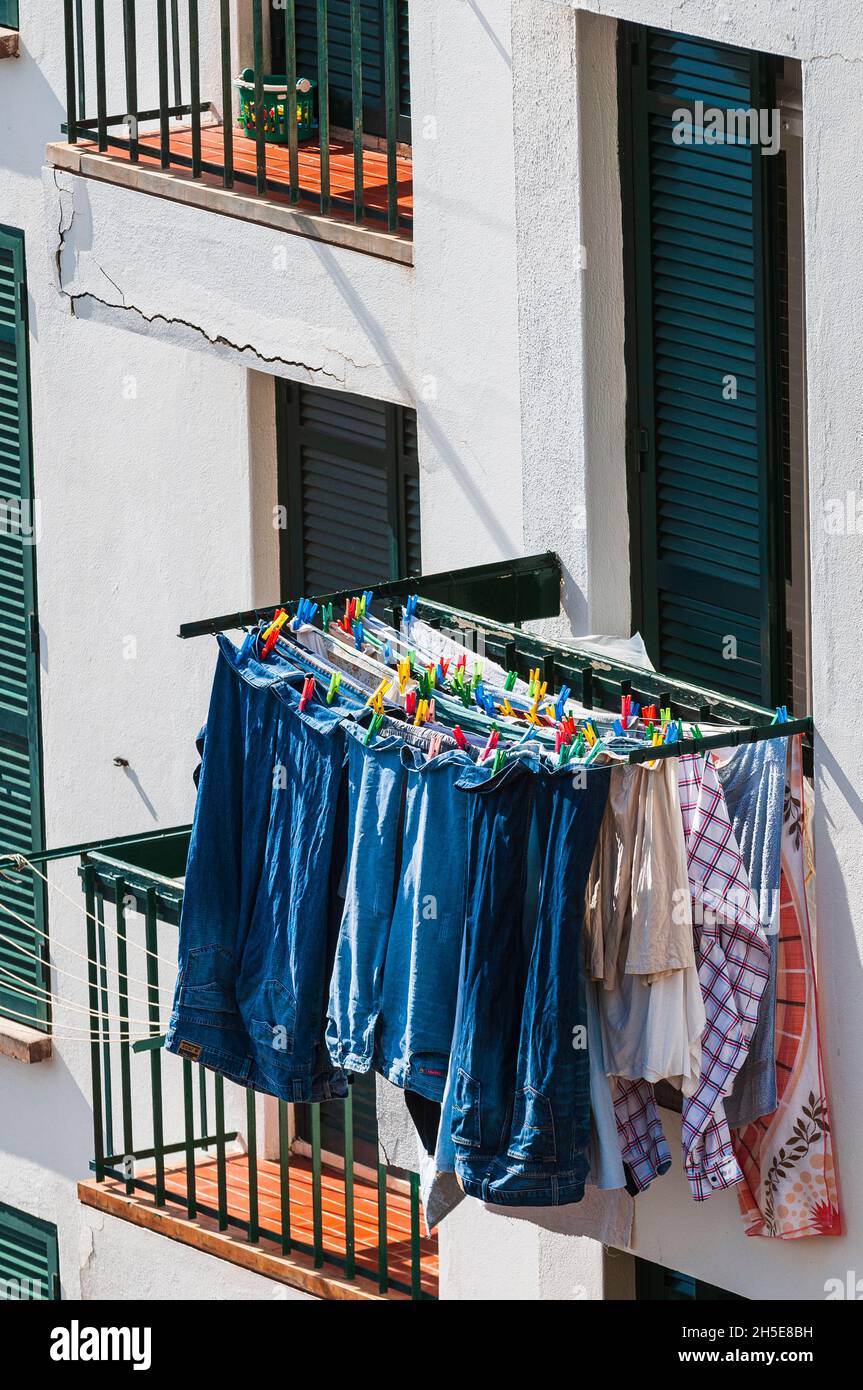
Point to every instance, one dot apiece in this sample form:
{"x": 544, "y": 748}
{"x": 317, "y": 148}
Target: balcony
{"x": 143, "y": 104}
{"x": 179, "y": 1151}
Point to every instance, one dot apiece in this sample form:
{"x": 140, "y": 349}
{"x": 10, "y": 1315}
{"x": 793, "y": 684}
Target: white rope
{"x": 90, "y": 916}
{"x": 7, "y": 941}
{"x": 78, "y": 1034}
{"x": 78, "y": 957}
{"x": 38, "y": 995}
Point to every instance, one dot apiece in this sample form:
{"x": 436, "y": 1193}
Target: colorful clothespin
{"x": 781, "y": 715}
{"x": 411, "y": 703}
{"x": 404, "y": 674}
{"x": 477, "y": 674}
{"x": 377, "y": 721}
{"x": 358, "y": 636}
{"x": 442, "y": 668}
{"x": 509, "y": 683}
{"x": 499, "y": 760}
{"x": 335, "y": 683}
{"x": 650, "y": 713}
{"x": 507, "y": 710}
{"x": 560, "y": 702}
{"x": 411, "y": 607}
{"x": 665, "y": 716}
{"x": 460, "y": 738}
{"x": 422, "y": 712}
{"x": 308, "y": 691}
{"x": 388, "y": 653}
{"x": 376, "y": 700}
{"x": 327, "y": 616}
{"x": 271, "y": 636}
{"x": 491, "y": 743}
{"x": 305, "y": 613}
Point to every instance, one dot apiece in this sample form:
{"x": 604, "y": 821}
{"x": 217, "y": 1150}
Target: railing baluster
{"x": 71, "y": 84}
{"x": 317, "y": 1194}
{"x": 357, "y": 105}
{"x": 101, "y": 98}
{"x": 391, "y": 60}
{"x": 291, "y": 74}
{"x": 95, "y": 1058}
{"x": 82, "y": 62}
{"x": 350, "y": 1235}
{"x": 195, "y": 86}
{"x": 202, "y": 1096}
{"x": 383, "y": 1257}
{"x": 175, "y": 47}
{"x": 285, "y": 1177}
{"x": 131, "y": 59}
{"x": 227, "y": 98}
{"x": 416, "y": 1249}
{"x": 260, "y": 105}
{"x": 164, "y": 97}
{"x": 151, "y": 937}
{"x": 104, "y": 1026}
{"x": 252, "y": 1151}
{"x": 125, "y": 1050}
{"x": 324, "y": 103}
{"x": 221, "y": 1168}
{"x": 189, "y": 1123}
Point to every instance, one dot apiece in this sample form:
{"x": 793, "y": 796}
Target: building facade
{"x": 217, "y": 394}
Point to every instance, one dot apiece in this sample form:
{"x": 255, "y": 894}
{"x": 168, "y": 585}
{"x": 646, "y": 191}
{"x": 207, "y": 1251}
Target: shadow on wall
{"x": 507, "y": 545}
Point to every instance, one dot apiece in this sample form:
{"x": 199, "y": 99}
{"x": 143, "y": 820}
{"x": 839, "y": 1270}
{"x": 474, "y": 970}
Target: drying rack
{"x": 508, "y": 593}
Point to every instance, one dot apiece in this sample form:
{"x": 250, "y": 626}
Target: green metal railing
{"x": 186, "y": 1125}
{"x": 176, "y": 63}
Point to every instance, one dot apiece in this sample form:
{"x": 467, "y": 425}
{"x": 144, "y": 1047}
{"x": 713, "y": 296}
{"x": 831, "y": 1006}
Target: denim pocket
{"x": 208, "y": 982}
{"x": 532, "y": 1139}
{"x": 275, "y": 1029}
{"x": 466, "y": 1127}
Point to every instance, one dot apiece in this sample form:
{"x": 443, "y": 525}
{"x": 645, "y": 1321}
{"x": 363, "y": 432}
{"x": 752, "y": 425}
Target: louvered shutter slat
{"x": 29, "y": 1265}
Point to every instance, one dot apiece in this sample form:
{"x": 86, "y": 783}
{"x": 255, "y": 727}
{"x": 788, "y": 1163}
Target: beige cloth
{"x": 638, "y": 918}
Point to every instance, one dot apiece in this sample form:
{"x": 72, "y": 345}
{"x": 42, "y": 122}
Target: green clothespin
{"x": 665, "y": 716}
{"x": 335, "y": 683}
{"x": 327, "y": 616}
{"x": 499, "y": 760}
{"x": 466, "y": 695}
{"x": 509, "y": 683}
{"x": 377, "y": 721}
{"x": 680, "y": 728}
{"x": 477, "y": 675}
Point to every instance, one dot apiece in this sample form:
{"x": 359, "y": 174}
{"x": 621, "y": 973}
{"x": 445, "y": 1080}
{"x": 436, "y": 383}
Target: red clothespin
{"x": 308, "y": 691}
{"x": 490, "y": 745}
{"x": 271, "y": 636}
{"x": 460, "y": 738}
{"x": 411, "y": 703}
{"x": 444, "y": 666}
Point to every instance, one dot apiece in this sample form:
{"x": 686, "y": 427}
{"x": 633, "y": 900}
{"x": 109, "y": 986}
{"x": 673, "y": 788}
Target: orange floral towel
{"x": 790, "y": 1183}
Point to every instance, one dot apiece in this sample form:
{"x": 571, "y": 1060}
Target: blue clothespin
{"x": 368, "y": 595}
{"x": 618, "y": 727}
{"x": 781, "y": 715}
{"x": 388, "y": 653}
{"x": 411, "y": 606}
{"x": 358, "y": 636}
{"x": 560, "y": 702}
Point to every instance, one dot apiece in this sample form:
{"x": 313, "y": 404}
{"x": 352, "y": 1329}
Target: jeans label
{"x": 190, "y": 1050}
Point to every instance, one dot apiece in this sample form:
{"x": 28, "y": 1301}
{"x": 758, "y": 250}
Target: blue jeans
{"x": 257, "y": 933}
{"x": 421, "y": 970}
{"x": 376, "y": 780}
{"x": 521, "y": 1073}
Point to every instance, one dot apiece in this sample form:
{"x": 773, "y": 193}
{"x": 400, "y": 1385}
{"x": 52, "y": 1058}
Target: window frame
{"x": 15, "y": 1220}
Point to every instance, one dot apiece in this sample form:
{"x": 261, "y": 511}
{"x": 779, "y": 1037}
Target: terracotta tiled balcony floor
{"x": 266, "y": 1257}
{"x": 278, "y": 172}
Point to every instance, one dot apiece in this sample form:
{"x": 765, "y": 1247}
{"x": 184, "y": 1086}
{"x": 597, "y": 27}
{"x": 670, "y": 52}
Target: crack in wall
{"x": 65, "y": 223}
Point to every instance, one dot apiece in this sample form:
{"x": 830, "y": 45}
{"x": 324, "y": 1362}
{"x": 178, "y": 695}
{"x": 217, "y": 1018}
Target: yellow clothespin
{"x": 506, "y": 709}
{"x": 377, "y": 699}
{"x": 404, "y": 673}
{"x": 422, "y": 712}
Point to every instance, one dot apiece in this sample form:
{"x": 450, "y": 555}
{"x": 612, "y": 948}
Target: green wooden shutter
{"x": 29, "y": 1262}
{"x": 705, "y": 480}
{"x": 349, "y": 480}
{"x": 339, "y": 33}
{"x": 9, "y": 13}
{"x": 20, "y": 779}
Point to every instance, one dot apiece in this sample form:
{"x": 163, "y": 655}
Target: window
{"x": 29, "y": 1261}
{"x": 339, "y": 35}
{"x": 705, "y": 222}
{"x": 349, "y": 480}
{"x": 655, "y": 1282}
{"x": 9, "y": 14}
{"x": 20, "y": 774}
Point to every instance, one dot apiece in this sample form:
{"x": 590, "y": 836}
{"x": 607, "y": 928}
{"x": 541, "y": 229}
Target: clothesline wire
{"x": 39, "y": 995}
{"x": 169, "y": 993}
{"x": 89, "y": 916}
{"x": 80, "y": 1034}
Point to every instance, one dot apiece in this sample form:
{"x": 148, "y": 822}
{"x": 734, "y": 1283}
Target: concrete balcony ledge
{"x": 179, "y": 186}
{"x": 9, "y": 43}
{"x": 23, "y": 1044}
